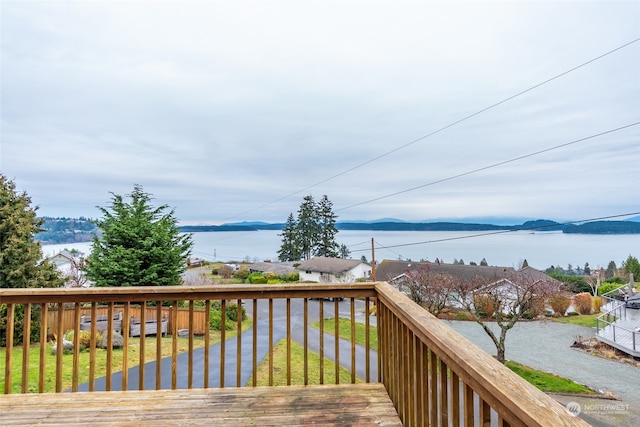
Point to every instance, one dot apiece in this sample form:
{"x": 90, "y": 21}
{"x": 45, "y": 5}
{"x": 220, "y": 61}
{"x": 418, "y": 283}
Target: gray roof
{"x": 389, "y": 270}
{"x": 329, "y": 265}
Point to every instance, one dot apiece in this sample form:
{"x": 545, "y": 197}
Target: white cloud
{"x": 220, "y": 108}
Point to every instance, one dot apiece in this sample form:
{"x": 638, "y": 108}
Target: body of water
{"x": 541, "y": 250}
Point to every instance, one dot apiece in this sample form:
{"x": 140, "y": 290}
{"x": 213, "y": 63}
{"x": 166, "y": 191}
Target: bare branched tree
{"x": 594, "y": 282}
{"x": 75, "y": 277}
{"x": 429, "y": 289}
{"x": 514, "y": 298}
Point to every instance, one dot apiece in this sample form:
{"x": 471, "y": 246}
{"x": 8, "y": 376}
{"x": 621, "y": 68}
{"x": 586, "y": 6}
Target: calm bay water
{"x": 541, "y": 250}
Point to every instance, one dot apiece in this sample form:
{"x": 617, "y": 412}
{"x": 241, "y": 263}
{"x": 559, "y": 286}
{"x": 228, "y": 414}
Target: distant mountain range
{"x": 597, "y": 227}
{"x": 70, "y": 230}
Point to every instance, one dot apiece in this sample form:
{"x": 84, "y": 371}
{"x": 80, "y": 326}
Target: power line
{"x": 483, "y": 110}
{"x": 566, "y": 144}
{"x": 511, "y": 230}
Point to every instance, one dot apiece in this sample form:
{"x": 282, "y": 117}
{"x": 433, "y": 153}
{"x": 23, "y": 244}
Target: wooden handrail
{"x": 433, "y": 375}
{"x": 516, "y": 401}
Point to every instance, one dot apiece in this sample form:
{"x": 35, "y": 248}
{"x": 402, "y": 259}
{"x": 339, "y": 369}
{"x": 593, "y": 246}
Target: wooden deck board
{"x": 350, "y": 404}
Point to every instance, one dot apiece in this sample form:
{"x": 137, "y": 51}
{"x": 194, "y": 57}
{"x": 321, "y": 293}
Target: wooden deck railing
{"x": 433, "y": 375}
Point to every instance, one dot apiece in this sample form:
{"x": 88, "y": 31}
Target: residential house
{"x": 338, "y": 270}
{"x": 395, "y": 272}
{"x": 69, "y": 265}
{"x": 195, "y": 262}
{"x": 505, "y": 284}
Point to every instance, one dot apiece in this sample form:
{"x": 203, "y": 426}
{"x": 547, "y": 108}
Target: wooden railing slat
{"x": 431, "y": 374}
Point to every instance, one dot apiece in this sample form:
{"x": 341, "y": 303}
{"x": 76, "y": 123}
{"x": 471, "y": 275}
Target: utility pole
{"x": 373, "y": 261}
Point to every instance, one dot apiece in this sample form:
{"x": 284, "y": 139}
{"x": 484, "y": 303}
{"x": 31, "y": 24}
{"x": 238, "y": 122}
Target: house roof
{"x": 389, "y": 270}
{"x": 330, "y": 265}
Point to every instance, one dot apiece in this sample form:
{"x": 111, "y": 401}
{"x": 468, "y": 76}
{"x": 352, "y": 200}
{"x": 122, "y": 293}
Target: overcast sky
{"x": 232, "y": 111}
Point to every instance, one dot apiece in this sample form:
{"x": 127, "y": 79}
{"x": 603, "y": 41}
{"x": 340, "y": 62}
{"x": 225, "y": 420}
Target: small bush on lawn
{"x": 582, "y": 302}
{"x": 597, "y": 304}
{"x": 463, "y": 316}
{"x": 231, "y": 309}
{"x": 256, "y": 279}
{"x": 215, "y": 321}
{"x": 484, "y": 306}
{"x": 241, "y": 274}
{"x": 560, "y": 304}
{"x": 271, "y": 276}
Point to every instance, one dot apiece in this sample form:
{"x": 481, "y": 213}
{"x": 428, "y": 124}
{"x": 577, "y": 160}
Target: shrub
{"x": 226, "y": 272}
{"x": 463, "y": 316}
{"x": 597, "y": 304}
{"x": 231, "y": 309}
{"x": 215, "y": 321}
{"x": 608, "y": 287}
{"x": 484, "y": 306}
{"x": 560, "y": 303}
{"x": 84, "y": 338}
{"x": 18, "y": 319}
{"x": 241, "y": 274}
{"x": 271, "y": 276}
{"x": 293, "y": 277}
{"x": 256, "y": 279}
{"x": 535, "y": 307}
{"x": 582, "y": 303}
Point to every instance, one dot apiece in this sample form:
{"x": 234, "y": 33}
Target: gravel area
{"x": 546, "y": 345}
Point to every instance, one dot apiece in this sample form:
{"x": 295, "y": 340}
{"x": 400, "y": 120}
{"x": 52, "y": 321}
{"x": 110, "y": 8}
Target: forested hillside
{"x": 66, "y": 230}
{"x": 70, "y": 230}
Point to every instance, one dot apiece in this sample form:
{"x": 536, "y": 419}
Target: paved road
{"x": 246, "y": 344}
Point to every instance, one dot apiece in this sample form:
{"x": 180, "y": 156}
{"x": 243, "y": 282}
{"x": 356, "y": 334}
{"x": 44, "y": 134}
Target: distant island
{"x": 75, "y": 230}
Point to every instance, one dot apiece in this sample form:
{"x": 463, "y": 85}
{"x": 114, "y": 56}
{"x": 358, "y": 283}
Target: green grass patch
{"x": 344, "y": 327}
{"x": 548, "y": 383}
{"x": 297, "y": 368}
{"x": 588, "y": 320}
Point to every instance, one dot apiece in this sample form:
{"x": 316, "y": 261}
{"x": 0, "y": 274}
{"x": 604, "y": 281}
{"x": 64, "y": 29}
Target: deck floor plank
{"x": 350, "y": 404}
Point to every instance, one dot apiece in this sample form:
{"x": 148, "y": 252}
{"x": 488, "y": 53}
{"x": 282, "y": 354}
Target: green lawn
{"x": 297, "y": 368}
{"x": 547, "y": 382}
{"x": 344, "y": 326}
{"x": 588, "y": 320}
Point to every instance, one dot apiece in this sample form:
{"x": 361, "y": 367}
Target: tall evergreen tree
{"x": 289, "y": 251}
{"x": 327, "y": 245}
{"x": 611, "y": 270}
{"x": 21, "y": 262}
{"x": 308, "y": 227}
{"x": 139, "y": 246}
{"x": 632, "y": 266}
{"x": 312, "y": 233}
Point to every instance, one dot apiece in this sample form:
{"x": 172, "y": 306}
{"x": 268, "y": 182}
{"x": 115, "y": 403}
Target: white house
{"x": 69, "y": 265}
{"x": 327, "y": 270}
